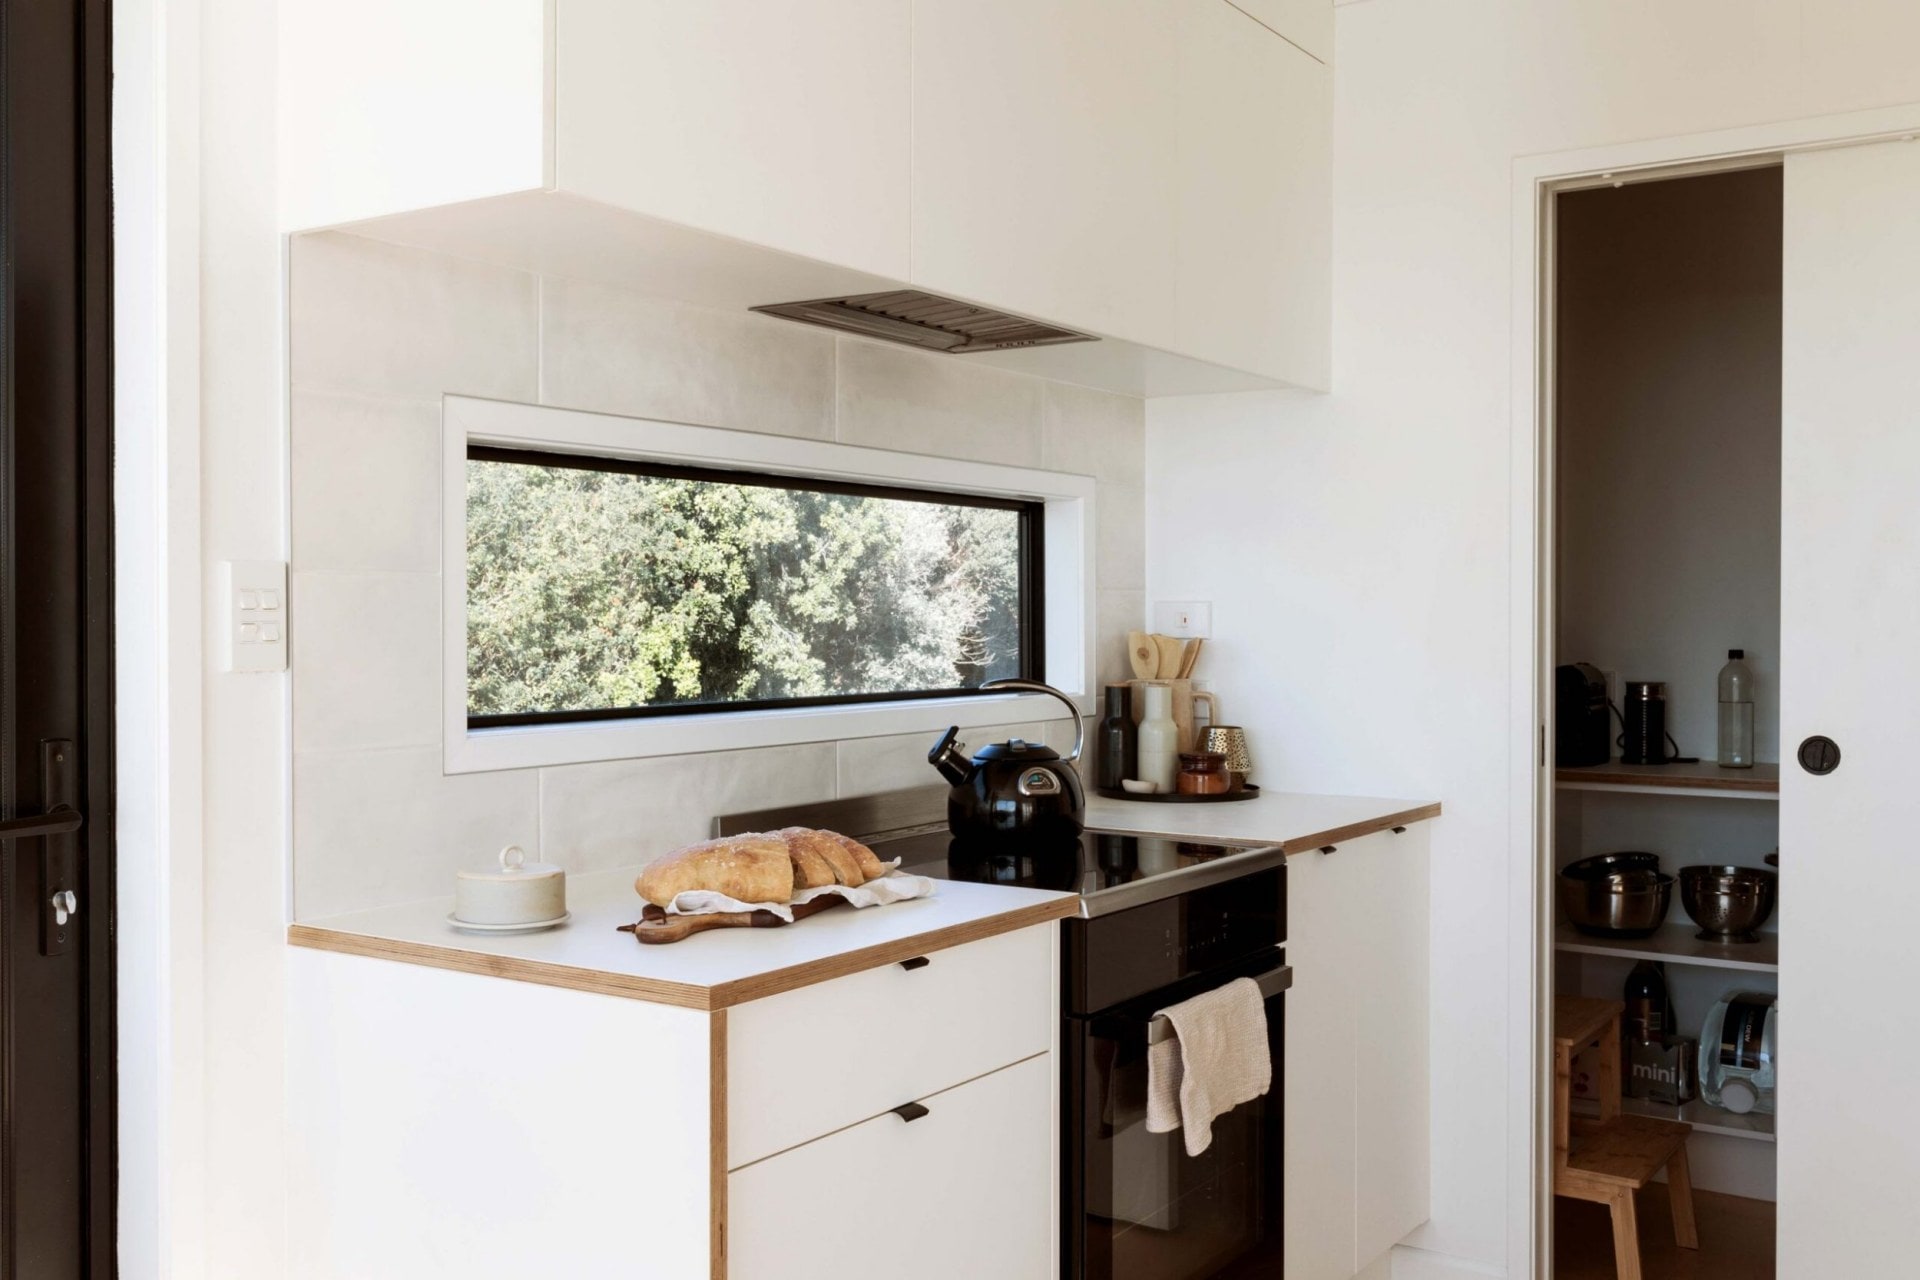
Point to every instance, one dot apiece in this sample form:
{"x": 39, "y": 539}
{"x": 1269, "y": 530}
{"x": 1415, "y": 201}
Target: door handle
{"x": 54, "y": 827}
{"x": 58, "y": 821}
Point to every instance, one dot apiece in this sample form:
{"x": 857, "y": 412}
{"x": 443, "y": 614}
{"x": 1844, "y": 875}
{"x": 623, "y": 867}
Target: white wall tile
{"x": 1115, "y": 614}
{"x": 1120, "y": 538}
{"x": 892, "y": 397}
{"x": 377, "y": 827}
{"x": 619, "y": 352}
{"x": 366, "y": 483}
{"x": 621, "y": 812}
{"x": 387, "y": 320}
{"x": 1096, "y": 433}
{"x": 366, "y": 660}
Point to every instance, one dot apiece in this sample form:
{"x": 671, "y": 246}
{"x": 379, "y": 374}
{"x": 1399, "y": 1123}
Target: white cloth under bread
{"x": 895, "y": 886}
{"x": 1216, "y": 1059}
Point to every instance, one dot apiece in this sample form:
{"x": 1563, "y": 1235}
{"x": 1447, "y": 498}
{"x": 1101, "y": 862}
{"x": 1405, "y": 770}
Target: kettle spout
{"x": 950, "y": 758}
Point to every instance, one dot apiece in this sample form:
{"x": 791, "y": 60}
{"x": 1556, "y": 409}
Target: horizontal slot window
{"x": 602, "y": 588}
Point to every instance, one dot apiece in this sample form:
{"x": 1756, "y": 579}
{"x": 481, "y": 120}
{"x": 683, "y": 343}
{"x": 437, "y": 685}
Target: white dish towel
{"x": 1215, "y": 1060}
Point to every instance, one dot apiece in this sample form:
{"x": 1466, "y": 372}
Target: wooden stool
{"x": 1608, "y": 1159}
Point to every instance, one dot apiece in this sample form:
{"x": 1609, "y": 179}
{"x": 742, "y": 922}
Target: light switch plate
{"x": 1188, "y": 618}
{"x": 253, "y": 607}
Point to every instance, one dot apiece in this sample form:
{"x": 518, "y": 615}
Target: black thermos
{"x": 1645, "y": 715}
{"x": 1119, "y": 739}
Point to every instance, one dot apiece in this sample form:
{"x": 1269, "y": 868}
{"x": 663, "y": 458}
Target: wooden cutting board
{"x": 656, "y": 926}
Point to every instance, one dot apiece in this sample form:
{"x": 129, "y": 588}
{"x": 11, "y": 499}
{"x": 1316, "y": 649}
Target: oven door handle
{"x": 1271, "y": 983}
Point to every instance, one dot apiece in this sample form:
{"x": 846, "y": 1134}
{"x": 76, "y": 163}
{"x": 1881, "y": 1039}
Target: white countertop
{"x": 1295, "y": 822}
{"x": 709, "y": 970}
{"x": 722, "y": 967}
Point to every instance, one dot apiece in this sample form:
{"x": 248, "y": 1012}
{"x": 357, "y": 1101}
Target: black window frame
{"x": 1032, "y": 581}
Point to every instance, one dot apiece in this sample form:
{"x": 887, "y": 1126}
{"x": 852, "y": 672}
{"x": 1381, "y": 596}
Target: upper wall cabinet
{"x": 1155, "y": 173}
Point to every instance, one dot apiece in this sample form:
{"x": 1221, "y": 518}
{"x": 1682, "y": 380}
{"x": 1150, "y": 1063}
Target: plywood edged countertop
{"x": 1297, "y": 822}
{"x": 711, "y": 970}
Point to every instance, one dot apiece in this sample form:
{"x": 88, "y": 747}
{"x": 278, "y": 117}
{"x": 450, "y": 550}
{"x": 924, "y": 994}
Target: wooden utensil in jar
{"x": 1142, "y": 655}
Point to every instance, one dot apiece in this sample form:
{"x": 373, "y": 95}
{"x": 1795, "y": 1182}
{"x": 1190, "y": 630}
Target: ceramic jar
{"x": 1204, "y": 773}
{"x": 517, "y": 892}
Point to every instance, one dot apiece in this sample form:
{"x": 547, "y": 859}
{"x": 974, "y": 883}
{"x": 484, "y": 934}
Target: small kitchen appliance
{"x": 1739, "y": 1053}
{"x": 1581, "y": 734}
{"x": 1013, "y": 788}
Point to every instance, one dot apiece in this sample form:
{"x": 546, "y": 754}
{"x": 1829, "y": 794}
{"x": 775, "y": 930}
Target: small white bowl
{"x": 1139, "y": 786}
{"x": 518, "y": 893}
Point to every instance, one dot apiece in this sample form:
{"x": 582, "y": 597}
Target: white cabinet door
{"x": 1387, "y": 907}
{"x": 966, "y": 1191}
{"x": 1357, "y": 1146}
{"x": 1319, "y": 1159}
{"x": 1254, "y": 198}
{"x": 1043, "y": 164}
{"x": 780, "y": 122}
{"x": 1307, "y": 23}
{"x": 1850, "y": 612}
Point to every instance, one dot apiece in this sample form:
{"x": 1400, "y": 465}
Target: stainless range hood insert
{"x": 925, "y": 320}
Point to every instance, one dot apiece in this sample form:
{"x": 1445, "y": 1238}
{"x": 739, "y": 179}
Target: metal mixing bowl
{"x": 1631, "y": 903}
{"x": 1606, "y": 864}
{"x": 1728, "y": 903}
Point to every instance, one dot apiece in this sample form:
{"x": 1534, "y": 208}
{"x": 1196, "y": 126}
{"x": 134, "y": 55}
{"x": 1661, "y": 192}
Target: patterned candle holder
{"x": 1230, "y": 740}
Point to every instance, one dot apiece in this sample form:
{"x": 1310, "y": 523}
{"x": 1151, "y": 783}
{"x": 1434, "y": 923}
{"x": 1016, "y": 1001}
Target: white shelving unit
{"x": 1703, "y": 1118}
{"x": 1677, "y": 944}
{"x": 1709, "y": 781}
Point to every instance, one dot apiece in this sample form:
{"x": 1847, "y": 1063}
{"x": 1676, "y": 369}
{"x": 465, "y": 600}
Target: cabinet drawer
{"x": 807, "y": 1062}
{"x": 965, "y": 1191}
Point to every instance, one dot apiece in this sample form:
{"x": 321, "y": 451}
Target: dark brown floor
{"x": 1736, "y": 1239}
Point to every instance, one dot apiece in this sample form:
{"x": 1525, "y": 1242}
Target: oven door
{"x": 1137, "y": 1206}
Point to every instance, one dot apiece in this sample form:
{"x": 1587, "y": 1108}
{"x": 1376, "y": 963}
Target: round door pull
{"x": 1819, "y": 755}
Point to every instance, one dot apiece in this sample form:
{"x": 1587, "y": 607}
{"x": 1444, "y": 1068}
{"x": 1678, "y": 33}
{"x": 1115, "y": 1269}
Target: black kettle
{"x": 1015, "y": 788}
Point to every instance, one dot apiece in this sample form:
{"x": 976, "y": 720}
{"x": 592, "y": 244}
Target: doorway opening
{"x": 1664, "y": 476}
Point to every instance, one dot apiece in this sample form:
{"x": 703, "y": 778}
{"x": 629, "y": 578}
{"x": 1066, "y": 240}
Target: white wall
{"x": 378, "y": 333}
{"x": 1356, "y": 546}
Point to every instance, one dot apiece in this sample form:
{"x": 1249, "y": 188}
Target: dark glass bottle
{"x": 1649, "y": 1016}
{"x": 1119, "y": 738}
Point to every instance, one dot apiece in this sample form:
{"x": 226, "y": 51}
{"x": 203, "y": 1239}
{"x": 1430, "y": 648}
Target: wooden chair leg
{"x": 1626, "y": 1236}
{"x": 1680, "y": 1190}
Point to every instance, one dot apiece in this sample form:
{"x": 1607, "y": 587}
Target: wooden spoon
{"x": 1142, "y": 654}
{"x": 1171, "y": 648}
{"x": 1190, "y": 657}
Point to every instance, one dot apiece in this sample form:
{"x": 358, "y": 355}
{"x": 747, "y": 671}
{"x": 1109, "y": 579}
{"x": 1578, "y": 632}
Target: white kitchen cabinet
{"x": 979, "y": 1161}
{"x": 1044, "y": 160}
{"x": 811, "y": 1061}
{"x": 1153, "y": 174}
{"x": 1357, "y": 1149}
{"x": 1158, "y": 171}
{"x": 448, "y": 1120}
{"x": 781, "y": 123}
{"x": 1253, "y": 199}
{"x": 1307, "y": 23}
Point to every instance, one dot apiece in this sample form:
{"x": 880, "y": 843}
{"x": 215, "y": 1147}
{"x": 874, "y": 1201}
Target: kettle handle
{"x": 1034, "y": 686}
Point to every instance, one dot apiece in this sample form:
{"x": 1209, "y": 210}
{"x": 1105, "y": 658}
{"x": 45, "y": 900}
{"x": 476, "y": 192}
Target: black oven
{"x": 1136, "y": 1206}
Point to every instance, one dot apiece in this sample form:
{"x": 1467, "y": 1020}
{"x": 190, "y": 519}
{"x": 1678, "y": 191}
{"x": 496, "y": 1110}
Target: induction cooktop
{"x": 1109, "y": 871}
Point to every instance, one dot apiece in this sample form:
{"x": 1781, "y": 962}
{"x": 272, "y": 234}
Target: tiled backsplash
{"x": 379, "y": 333}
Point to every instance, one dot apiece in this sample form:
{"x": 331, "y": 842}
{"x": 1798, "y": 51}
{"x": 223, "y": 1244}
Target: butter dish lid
{"x": 515, "y": 867}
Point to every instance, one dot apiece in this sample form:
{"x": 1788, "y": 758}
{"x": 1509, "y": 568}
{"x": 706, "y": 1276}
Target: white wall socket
{"x": 253, "y": 609}
{"x": 1183, "y": 617}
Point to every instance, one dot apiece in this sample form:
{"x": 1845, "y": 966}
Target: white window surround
{"x": 1068, "y": 603}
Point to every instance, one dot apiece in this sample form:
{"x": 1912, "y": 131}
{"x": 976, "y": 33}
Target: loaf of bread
{"x": 761, "y": 866}
{"x": 748, "y": 868}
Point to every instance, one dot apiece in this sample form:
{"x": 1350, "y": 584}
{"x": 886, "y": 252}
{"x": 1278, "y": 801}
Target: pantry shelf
{"x": 1677, "y": 943}
{"x": 1703, "y": 1118}
{"x": 1761, "y": 782}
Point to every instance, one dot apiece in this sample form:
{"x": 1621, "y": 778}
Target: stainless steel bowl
{"x": 1606, "y": 864}
{"x": 1622, "y": 904}
{"x": 1728, "y": 903}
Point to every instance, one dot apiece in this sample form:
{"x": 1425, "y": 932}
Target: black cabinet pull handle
{"x": 910, "y": 1111}
{"x": 1399, "y": 831}
{"x": 1329, "y": 848}
{"x": 915, "y": 962}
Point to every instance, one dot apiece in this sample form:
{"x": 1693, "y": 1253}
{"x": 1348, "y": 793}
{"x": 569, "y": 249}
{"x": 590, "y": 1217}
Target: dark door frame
{"x": 56, "y": 589}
